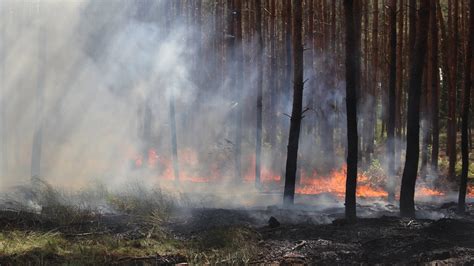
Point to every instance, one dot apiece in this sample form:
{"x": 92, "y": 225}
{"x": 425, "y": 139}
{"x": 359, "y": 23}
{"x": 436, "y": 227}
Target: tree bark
{"x": 465, "y": 113}
{"x": 371, "y": 128}
{"x": 392, "y": 9}
{"x": 296, "y": 113}
{"x": 453, "y": 61}
{"x": 435, "y": 89}
{"x": 407, "y": 193}
{"x": 352, "y": 86}
{"x": 272, "y": 79}
{"x": 259, "y": 51}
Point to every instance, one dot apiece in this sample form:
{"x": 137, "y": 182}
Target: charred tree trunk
{"x": 435, "y": 89}
{"x": 425, "y": 113}
{"x": 453, "y": 61}
{"x": 407, "y": 193}
{"x": 287, "y": 88}
{"x": 392, "y": 98}
{"x": 296, "y": 113}
{"x": 258, "y": 148}
{"x": 465, "y": 112}
{"x": 399, "y": 91}
{"x": 352, "y": 86}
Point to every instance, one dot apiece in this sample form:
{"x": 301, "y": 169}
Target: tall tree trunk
{"x": 435, "y": 89}
{"x": 392, "y": 98}
{"x": 234, "y": 59}
{"x": 399, "y": 91}
{"x": 371, "y": 128}
{"x": 352, "y": 87}
{"x": 451, "y": 141}
{"x": 287, "y": 88}
{"x": 296, "y": 113}
{"x": 465, "y": 112}
{"x": 366, "y": 95}
{"x": 259, "y": 51}
{"x": 172, "y": 117}
{"x": 407, "y": 193}
{"x": 41, "y": 79}
{"x": 237, "y": 12}
{"x": 309, "y": 125}
{"x": 3, "y": 122}
{"x": 174, "y": 138}
{"x": 272, "y": 80}
{"x": 425, "y": 112}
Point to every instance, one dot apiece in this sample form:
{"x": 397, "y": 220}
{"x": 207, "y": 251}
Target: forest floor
{"x": 207, "y": 235}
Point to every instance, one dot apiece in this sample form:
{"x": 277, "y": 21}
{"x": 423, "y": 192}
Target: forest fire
{"x": 309, "y": 184}
{"x": 335, "y": 183}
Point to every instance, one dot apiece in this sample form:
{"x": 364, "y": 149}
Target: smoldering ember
{"x": 147, "y": 132}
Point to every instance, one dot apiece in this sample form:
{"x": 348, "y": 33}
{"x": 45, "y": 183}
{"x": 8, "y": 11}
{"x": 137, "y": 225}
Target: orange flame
{"x": 428, "y": 192}
{"x": 470, "y": 191}
{"x": 334, "y": 182}
{"x": 266, "y": 175}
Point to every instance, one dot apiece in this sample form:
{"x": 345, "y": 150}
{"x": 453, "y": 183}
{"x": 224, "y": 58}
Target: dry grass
{"x": 74, "y": 229}
{"x": 19, "y": 247}
{"x": 234, "y": 245}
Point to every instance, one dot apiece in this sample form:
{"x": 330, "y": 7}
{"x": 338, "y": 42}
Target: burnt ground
{"x": 386, "y": 239}
{"x": 202, "y": 235}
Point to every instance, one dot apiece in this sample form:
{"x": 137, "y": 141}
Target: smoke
{"x": 93, "y": 81}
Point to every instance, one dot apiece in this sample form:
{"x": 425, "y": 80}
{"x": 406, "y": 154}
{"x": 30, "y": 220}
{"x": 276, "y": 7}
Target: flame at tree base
{"x": 308, "y": 184}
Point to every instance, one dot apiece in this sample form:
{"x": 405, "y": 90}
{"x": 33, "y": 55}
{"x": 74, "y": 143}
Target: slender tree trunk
{"x": 234, "y": 59}
{"x": 288, "y": 46}
{"x": 392, "y": 99}
{"x": 237, "y": 13}
{"x": 308, "y": 56}
{"x": 258, "y": 151}
{"x": 352, "y": 87}
{"x": 407, "y": 193}
{"x": 41, "y": 79}
{"x": 174, "y": 139}
{"x": 452, "y": 94}
{"x": 272, "y": 80}
{"x": 399, "y": 91}
{"x": 326, "y": 128}
{"x": 371, "y": 128}
{"x": 172, "y": 117}
{"x": 366, "y": 95}
{"x": 3, "y": 122}
{"x": 288, "y": 63}
{"x": 466, "y": 112}
{"x": 425, "y": 112}
{"x": 435, "y": 89}
{"x": 296, "y": 113}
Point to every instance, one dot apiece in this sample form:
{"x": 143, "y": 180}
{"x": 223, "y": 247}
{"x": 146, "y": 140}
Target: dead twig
{"x": 299, "y": 245}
